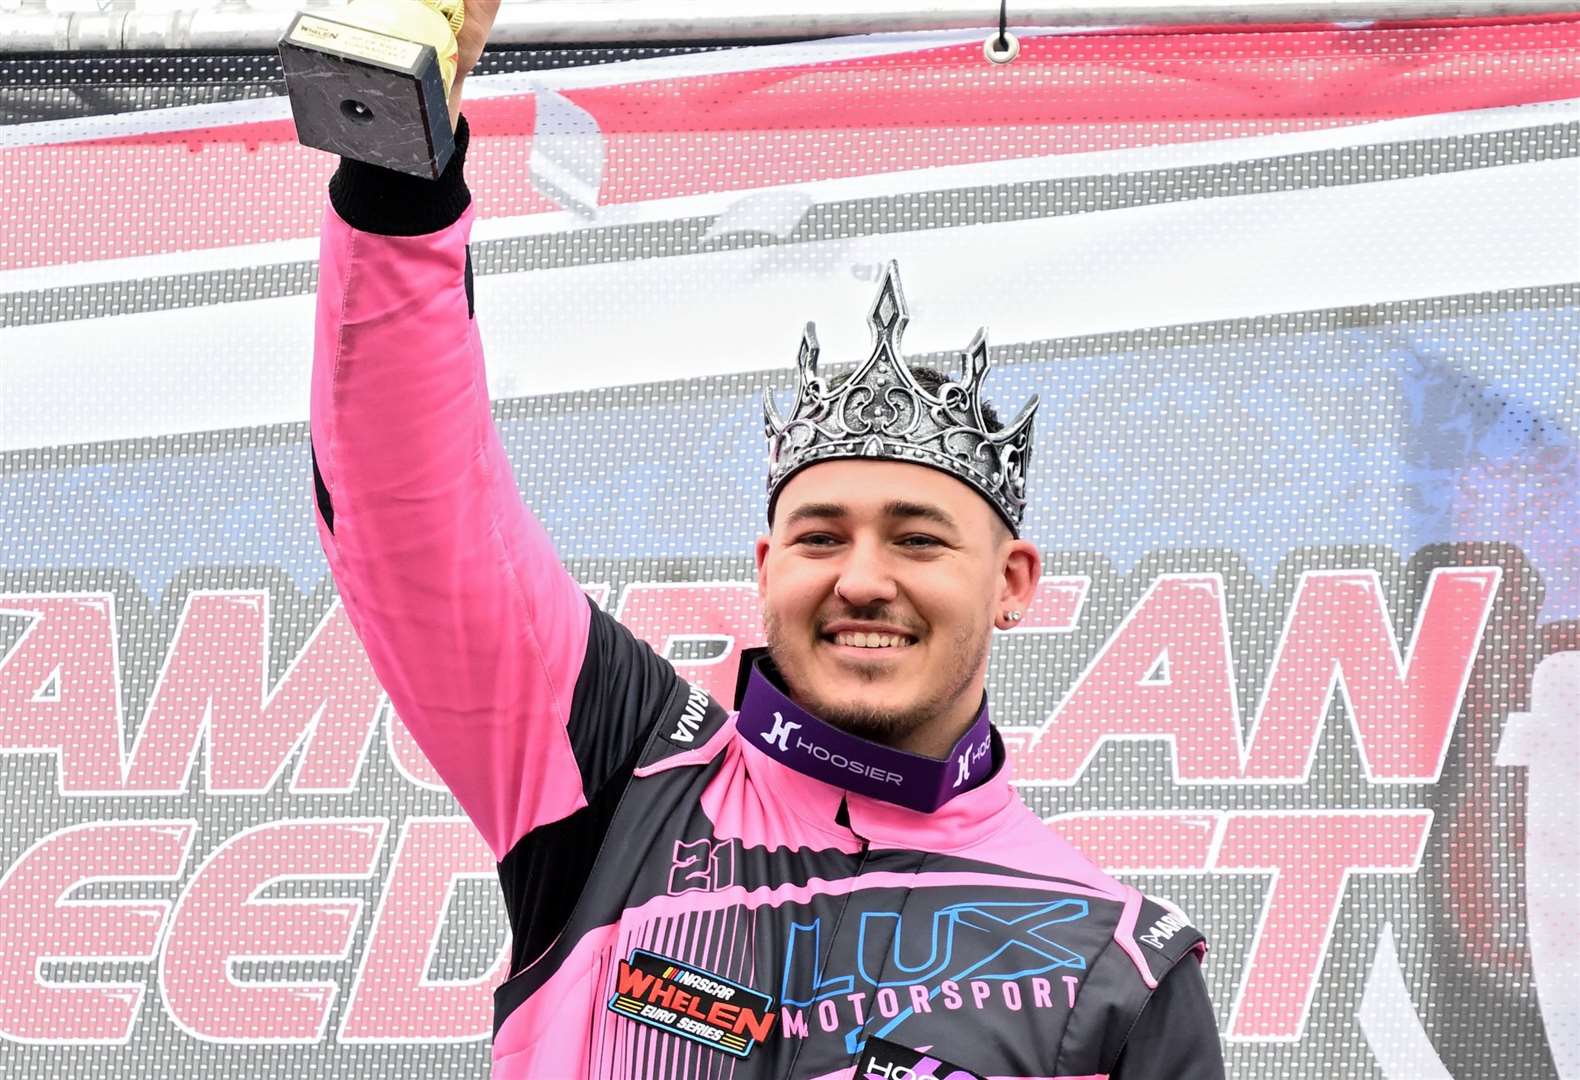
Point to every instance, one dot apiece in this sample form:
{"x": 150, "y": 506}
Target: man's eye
{"x": 920, "y": 541}
{"x": 816, "y": 540}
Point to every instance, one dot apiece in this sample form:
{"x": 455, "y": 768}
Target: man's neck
{"x": 936, "y": 738}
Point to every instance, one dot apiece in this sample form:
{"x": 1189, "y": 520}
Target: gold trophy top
{"x": 426, "y": 22}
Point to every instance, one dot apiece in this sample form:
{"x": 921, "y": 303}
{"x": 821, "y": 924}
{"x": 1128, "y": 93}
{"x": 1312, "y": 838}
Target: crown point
{"x": 889, "y": 315}
{"x": 976, "y": 358}
{"x": 807, "y": 357}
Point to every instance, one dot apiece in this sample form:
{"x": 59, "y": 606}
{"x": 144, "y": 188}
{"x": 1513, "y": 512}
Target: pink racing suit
{"x": 692, "y": 892}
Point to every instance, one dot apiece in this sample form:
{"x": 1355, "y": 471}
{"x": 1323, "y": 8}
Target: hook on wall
{"x": 1003, "y": 46}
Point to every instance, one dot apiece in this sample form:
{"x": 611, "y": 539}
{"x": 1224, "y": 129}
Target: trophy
{"x": 372, "y": 82}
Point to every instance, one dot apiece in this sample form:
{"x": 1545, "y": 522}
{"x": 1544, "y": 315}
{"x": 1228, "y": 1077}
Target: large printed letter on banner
{"x": 1310, "y": 855}
{"x": 214, "y": 682}
{"x": 1339, "y": 640}
{"x": 393, "y": 999}
{"x": 1166, "y": 673}
{"x": 60, "y": 688}
{"x": 40, "y": 922}
{"x": 221, "y": 921}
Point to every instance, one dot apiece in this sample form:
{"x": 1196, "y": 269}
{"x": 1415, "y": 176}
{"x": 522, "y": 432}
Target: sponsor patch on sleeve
{"x": 688, "y": 1001}
{"x": 881, "y": 1059}
{"x": 1166, "y": 935}
{"x": 685, "y": 728}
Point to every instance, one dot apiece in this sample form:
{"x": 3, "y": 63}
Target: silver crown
{"x": 882, "y": 411}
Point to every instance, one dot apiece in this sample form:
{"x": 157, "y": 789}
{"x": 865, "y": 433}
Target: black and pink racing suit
{"x": 692, "y": 892}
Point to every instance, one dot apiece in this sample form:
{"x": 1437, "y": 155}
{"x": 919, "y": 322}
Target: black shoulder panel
{"x": 623, "y": 691}
{"x": 1165, "y": 937}
{"x": 1113, "y": 993}
{"x": 563, "y": 853}
{"x": 1176, "y": 1036}
{"x": 602, "y": 839}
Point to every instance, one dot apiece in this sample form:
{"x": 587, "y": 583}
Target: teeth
{"x": 870, "y": 641}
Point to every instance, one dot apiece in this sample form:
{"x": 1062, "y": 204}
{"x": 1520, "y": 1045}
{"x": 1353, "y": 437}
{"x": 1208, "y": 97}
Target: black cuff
{"x": 379, "y": 200}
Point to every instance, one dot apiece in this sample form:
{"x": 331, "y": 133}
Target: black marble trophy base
{"x": 367, "y": 96}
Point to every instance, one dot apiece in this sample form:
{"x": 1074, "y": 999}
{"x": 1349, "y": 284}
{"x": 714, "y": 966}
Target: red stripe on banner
{"x": 686, "y": 136}
{"x": 1339, "y": 75}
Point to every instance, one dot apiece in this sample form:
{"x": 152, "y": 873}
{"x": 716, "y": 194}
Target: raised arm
{"x": 473, "y": 628}
{"x": 528, "y": 702}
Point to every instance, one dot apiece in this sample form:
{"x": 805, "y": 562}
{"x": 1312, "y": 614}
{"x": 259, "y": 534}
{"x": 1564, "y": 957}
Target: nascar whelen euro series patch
{"x": 684, "y": 1000}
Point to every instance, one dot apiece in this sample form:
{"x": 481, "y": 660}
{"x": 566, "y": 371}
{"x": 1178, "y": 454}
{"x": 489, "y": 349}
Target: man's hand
{"x": 475, "y": 28}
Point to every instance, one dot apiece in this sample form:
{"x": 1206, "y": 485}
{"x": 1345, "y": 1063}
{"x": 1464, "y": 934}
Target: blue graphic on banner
{"x": 1398, "y": 436}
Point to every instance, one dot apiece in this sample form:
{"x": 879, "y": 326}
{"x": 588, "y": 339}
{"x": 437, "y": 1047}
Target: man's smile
{"x": 866, "y": 641}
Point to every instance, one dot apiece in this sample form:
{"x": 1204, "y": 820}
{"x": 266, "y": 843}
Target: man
{"x": 838, "y": 879}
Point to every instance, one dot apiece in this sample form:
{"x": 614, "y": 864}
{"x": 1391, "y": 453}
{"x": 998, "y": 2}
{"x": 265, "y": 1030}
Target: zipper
{"x": 872, "y": 1013}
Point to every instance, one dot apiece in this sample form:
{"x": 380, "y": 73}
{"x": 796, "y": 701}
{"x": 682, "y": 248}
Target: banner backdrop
{"x": 1303, "y": 306}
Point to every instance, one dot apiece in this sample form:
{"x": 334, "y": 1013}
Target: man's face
{"x": 881, "y": 584}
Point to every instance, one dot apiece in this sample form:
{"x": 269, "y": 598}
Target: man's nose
{"x": 865, "y": 577}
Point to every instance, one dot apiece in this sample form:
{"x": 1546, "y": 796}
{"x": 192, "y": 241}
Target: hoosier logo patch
{"x": 687, "y": 1001}
{"x": 884, "y": 1060}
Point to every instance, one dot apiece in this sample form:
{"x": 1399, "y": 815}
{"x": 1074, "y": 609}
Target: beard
{"x": 883, "y": 724}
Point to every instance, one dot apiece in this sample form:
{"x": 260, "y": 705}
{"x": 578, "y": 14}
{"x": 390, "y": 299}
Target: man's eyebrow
{"x": 895, "y": 508}
{"x": 815, "y": 510}
{"x": 899, "y": 508}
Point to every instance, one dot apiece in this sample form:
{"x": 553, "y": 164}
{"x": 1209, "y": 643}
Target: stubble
{"x": 882, "y": 724}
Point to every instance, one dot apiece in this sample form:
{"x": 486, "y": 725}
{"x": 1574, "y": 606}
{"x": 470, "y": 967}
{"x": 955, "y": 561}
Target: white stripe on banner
{"x": 1389, "y": 1021}
{"x": 1488, "y": 229}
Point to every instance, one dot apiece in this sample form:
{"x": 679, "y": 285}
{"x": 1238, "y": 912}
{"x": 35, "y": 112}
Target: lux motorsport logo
{"x": 978, "y": 955}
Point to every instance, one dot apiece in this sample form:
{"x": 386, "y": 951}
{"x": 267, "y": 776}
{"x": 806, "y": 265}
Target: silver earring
{"x": 1012, "y": 616}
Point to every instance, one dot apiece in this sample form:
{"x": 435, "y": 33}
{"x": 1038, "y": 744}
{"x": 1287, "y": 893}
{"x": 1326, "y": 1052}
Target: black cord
{"x": 1003, "y": 24}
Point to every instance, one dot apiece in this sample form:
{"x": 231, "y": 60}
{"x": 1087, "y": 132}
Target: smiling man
{"x": 833, "y": 878}
{"x": 878, "y": 610}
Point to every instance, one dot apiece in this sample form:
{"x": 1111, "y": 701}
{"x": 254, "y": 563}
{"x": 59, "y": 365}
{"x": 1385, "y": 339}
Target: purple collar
{"x": 788, "y": 733}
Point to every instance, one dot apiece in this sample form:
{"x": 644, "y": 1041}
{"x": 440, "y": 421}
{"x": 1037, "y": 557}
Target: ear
{"x": 762, "y": 566}
{"x": 1018, "y": 581}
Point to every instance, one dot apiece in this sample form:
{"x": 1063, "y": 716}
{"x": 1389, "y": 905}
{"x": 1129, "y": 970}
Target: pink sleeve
{"x": 474, "y": 629}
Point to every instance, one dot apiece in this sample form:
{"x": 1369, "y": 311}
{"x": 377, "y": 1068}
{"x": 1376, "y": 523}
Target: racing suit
{"x": 692, "y": 892}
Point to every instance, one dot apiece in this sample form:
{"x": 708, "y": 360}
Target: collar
{"x": 779, "y": 728}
